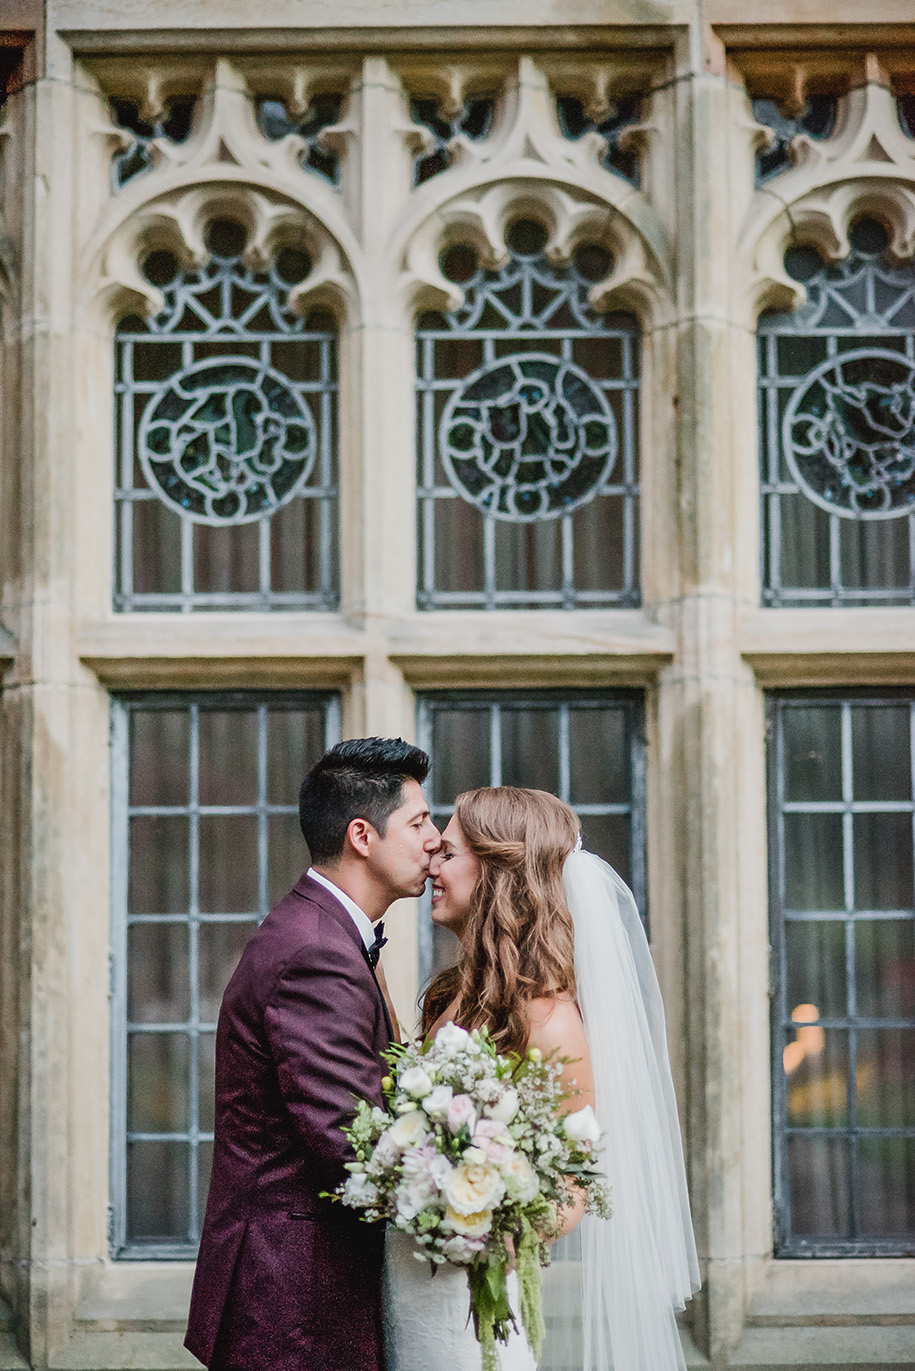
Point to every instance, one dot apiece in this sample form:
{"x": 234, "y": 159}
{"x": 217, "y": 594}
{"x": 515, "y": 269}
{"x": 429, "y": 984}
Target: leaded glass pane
{"x": 843, "y": 930}
{"x": 226, "y": 485}
{"x": 207, "y": 839}
{"x": 837, "y": 439}
{"x": 528, "y": 436}
{"x": 584, "y": 747}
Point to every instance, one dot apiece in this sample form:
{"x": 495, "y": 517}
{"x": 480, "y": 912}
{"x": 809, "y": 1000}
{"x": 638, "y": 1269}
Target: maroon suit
{"x": 286, "y": 1281}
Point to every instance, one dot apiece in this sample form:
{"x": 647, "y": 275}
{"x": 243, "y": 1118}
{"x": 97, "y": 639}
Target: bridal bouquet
{"x": 471, "y": 1156}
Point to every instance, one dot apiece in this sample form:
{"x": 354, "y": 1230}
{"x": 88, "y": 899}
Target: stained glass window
{"x": 837, "y": 430}
{"x": 226, "y": 490}
{"x": 843, "y": 932}
{"x": 528, "y": 436}
{"x": 207, "y": 838}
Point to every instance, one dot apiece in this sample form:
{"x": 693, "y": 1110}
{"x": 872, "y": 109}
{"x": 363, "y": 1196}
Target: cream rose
{"x": 473, "y": 1187}
{"x": 582, "y": 1126}
{"x": 409, "y": 1130}
{"x": 451, "y": 1039}
{"x": 520, "y": 1177}
{"x": 437, "y": 1101}
{"x": 469, "y": 1225}
{"x": 505, "y": 1107}
{"x": 415, "y": 1082}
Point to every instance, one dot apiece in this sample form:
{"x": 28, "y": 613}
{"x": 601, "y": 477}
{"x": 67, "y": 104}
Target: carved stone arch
{"x": 177, "y": 221}
{"x": 638, "y": 281}
{"x": 867, "y": 168}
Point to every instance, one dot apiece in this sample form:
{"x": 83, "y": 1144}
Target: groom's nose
{"x": 434, "y": 840}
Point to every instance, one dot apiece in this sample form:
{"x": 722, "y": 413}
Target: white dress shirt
{"x": 361, "y": 920}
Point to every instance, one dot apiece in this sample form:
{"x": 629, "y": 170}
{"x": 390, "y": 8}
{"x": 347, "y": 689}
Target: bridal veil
{"x": 639, "y": 1267}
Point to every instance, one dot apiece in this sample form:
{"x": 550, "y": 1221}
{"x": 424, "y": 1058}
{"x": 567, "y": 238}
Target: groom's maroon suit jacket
{"x": 286, "y": 1281}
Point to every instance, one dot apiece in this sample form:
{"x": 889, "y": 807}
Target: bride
{"x": 553, "y": 956}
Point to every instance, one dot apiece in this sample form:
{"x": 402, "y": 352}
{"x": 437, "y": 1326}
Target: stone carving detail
{"x": 529, "y": 437}
{"x": 227, "y": 441}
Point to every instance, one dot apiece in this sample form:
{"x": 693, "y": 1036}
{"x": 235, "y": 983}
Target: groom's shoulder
{"x": 306, "y": 918}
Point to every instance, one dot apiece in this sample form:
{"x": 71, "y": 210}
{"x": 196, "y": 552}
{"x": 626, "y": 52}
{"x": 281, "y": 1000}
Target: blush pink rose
{"x": 461, "y": 1113}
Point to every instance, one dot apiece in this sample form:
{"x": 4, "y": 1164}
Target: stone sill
{"x": 798, "y": 647}
{"x": 583, "y": 647}
{"x": 831, "y": 1291}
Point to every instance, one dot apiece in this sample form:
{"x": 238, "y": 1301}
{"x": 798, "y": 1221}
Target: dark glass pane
{"x": 598, "y": 757}
{"x": 288, "y": 855}
{"x": 886, "y": 1187}
{"x": 818, "y": 1187}
{"x": 156, "y": 548}
{"x": 460, "y": 748}
{"x": 883, "y": 861}
{"x": 530, "y": 748}
{"x": 157, "y": 1190}
{"x": 158, "y": 881}
{"x": 881, "y": 752}
{"x": 599, "y": 544}
{"x": 295, "y": 547}
{"x": 458, "y": 549}
{"x": 228, "y": 864}
{"x": 874, "y": 553}
{"x": 159, "y": 746}
{"x": 885, "y": 968}
{"x": 206, "y": 1077}
{"x": 816, "y": 1067}
{"x": 156, "y": 361}
{"x": 812, "y": 740}
{"x": 804, "y": 542}
{"x": 226, "y": 557}
{"x": 158, "y": 986}
{"x": 220, "y": 946}
{"x": 529, "y": 556}
{"x": 886, "y": 1077}
{"x": 295, "y": 741}
{"x": 204, "y": 1168}
{"x": 610, "y": 836}
{"x": 813, "y": 862}
{"x": 228, "y": 756}
{"x": 815, "y": 967}
{"x": 158, "y": 1066}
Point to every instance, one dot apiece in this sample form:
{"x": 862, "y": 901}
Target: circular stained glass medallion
{"x": 528, "y": 437}
{"x": 226, "y": 441}
{"x": 849, "y": 434}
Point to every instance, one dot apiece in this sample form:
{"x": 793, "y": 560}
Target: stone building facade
{"x": 537, "y": 380}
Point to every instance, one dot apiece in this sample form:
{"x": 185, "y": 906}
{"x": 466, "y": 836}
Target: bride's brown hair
{"x": 518, "y": 942}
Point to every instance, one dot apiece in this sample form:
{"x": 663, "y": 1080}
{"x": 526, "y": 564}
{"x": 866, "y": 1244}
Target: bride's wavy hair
{"x": 518, "y": 943}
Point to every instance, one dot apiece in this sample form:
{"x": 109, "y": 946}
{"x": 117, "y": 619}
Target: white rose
{"x": 462, "y": 1250}
{"x": 505, "y": 1107}
{"x": 520, "y": 1178}
{"x": 437, "y": 1101}
{"x": 452, "y": 1039}
{"x": 582, "y": 1126}
{"x": 409, "y": 1130}
{"x": 470, "y": 1225}
{"x": 473, "y": 1187}
{"x": 415, "y": 1082}
{"x": 411, "y": 1197}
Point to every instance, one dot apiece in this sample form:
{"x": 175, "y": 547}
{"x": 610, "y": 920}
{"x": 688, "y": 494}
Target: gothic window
{"x": 528, "y": 436}
{"x": 206, "y": 839}
{"x": 226, "y": 488}
{"x": 837, "y": 430}
{"x": 584, "y": 746}
{"x": 843, "y": 934}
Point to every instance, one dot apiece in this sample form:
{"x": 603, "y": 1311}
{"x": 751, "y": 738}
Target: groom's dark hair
{"x": 359, "y": 779}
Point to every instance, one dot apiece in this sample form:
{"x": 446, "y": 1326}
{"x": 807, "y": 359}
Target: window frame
{"x": 120, "y": 1246}
{"x": 786, "y": 1245}
{"x": 633, "y": 702}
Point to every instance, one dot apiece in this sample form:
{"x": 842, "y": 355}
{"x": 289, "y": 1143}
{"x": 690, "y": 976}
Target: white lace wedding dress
{"x": 425, "y": 1317}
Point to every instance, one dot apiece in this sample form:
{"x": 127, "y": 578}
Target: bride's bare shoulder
{"x": 553, "y": 1019}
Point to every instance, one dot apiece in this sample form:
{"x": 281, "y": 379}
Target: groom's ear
{"x": 359, "y": 833}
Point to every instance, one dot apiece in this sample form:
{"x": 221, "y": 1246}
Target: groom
{"x": 286, "y": 1280}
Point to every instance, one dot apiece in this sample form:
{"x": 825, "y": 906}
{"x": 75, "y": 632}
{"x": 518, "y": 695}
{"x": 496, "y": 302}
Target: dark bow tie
{"x": 375, "y": 950}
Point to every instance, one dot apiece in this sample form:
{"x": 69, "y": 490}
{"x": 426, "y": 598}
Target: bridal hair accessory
{"x": 641, "y": 1267}
{"x": 470, "y": 1154}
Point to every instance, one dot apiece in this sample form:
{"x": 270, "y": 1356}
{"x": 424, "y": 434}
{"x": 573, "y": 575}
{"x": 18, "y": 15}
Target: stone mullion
{"x": 711, "y": 721}
{"x": 44, "y": 795}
